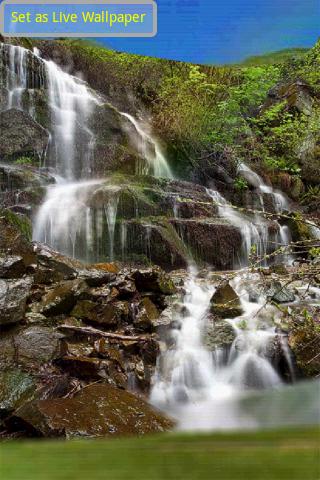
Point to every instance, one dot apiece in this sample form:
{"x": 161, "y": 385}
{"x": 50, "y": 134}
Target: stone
{"x": 53, "y": 266}
{"x": 147, "y": 314}
{"x": 225, "y": 302}
{"x": 12, "y": 267}
{"x": 278, "y": 293}
{"x": 37, "y": 345}
{"x": 13, "y": 299}
{"x": 104, "y": 314}
{"x": 96, "y": 411}
{"x": 21, "y": 135}
{"x": 16, "y": 232}
{"x": 84, "y": 367}
{"x": 212, "y": 241}
{"x": 16, "y": 387}
{"x": 97, "y": 278}
{"x": 218, "y": 334}
{"x": 62, "y": 299}
{"x": 154, "y": 280}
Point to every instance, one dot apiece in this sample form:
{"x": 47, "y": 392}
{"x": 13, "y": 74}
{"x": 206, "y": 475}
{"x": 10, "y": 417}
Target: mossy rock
{"x": 16, "y": 235}
{"x": 16, "y": 387}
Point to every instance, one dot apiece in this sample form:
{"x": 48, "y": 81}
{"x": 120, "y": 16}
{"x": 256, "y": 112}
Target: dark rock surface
{"x": 21, "y": 135}
{"x": 96, "y": 411}
{"x": 225, "y": 302}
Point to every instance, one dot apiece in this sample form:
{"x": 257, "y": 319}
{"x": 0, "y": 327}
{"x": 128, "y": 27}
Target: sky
{"x": 226, "y": 31}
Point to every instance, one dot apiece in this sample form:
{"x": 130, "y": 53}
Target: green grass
{"x": 283, "y": 455}
{"x": 275, "y": 57}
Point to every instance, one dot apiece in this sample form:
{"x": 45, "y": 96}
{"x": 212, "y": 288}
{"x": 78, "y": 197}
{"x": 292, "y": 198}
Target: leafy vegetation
{"x": 212, "y": 112}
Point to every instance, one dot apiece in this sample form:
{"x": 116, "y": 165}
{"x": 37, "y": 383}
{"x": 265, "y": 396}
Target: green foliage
{"x": 311, "y": 195}
{"x": 24, "y": 161}
{"x": 314, "y": 253}
{"x": 240, "y": 184}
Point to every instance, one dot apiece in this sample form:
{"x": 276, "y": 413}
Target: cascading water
{"x": 17, "y": 76}
{"x": 205, "y": 390}
{"x": 154, "y": 163}
{"x": 254, "y": 235}
{"x": 64, "y": 219}
{"x": 71, "y": 105}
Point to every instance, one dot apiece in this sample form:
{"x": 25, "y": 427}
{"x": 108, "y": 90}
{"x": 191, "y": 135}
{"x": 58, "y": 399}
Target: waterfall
{"x": 254, "y": 235}
{"x": 71, "y": 105}
{"x": 17, "y": 76}
{"x": 155, "y": 163}
{"x": 62, "y": 219}
{"x": 280, "y": 202}
{"x": 204, "y": 390}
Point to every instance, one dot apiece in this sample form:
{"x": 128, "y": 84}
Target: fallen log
{"x": 99, "y": 333}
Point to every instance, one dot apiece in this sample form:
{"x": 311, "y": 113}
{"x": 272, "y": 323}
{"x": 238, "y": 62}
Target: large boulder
{"x": 225, "y": 302}
{"x": 154, "y": 280}
{"x": 212, "y": 241}
{"x": 13, "y": 299}
{"x": 12, "y": 267}
{"x": 21, "y": 135}
{"x": 297, "y": 94}
{"x": 96, "y": 411}
{"x": 62, "y": 298}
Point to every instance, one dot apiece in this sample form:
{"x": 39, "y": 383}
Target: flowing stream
{"x": 201, "y": 388}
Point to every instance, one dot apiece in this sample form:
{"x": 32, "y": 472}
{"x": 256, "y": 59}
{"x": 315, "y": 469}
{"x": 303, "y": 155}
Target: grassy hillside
{"x": 280, "y": 56}
{"x": 285, "y": 455}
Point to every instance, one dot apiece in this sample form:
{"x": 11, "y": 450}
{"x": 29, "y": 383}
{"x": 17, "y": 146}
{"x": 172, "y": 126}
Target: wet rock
{"x": 225, "y": 303}
{"x": 12, "y": 267}
{"x": 278, "y": 293}
{"x": 104, "y": 314}
{"x": 96, "y": 411}
{"x": 62, "y": 299}
{"x": 77, "y": 349}
{"x": 155, "y": 241}
{"x": 304, "y": 339}
{"x": 96, "y": 278}
{"x": 13, "y": 299}
{"x": 218, "y": 334}
{"x": 16, "y": 387}
{"x": 37, "y": 345}
{"x": 126, "y": 288}
{"x": 154, "y": 280}
{"x": 211, "y": 241}
{"x": 84, "y": 367}
{"x": 7, "y": 348}
{"x": 53, "y": 266}
{"x": 16, "y": 231}
{"x": 21, "y": 135}
{"x": 147, "y": 314}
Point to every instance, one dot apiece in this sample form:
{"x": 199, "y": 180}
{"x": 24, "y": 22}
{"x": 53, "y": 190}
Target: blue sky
{"x": 211, "y": 31}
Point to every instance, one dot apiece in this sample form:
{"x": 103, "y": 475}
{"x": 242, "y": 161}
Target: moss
{"x": 300, "y": 230}
{"x": 20, "y": 221}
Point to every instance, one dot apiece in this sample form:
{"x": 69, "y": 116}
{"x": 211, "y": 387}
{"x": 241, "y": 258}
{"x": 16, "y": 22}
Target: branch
{"x": 98, "y": 333}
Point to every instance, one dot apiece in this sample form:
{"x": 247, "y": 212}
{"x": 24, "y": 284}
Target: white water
{"x": 64, "y": 220}
{"x": 155, "y": 163}
{"x": 201, "y": 389}
{"x": 254, "y": 234}
{"x": 280, "y": 202}
{"x": 207, "y": 390}
{"x": 71, "y": 104}
{"x": 17, "y": 75}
